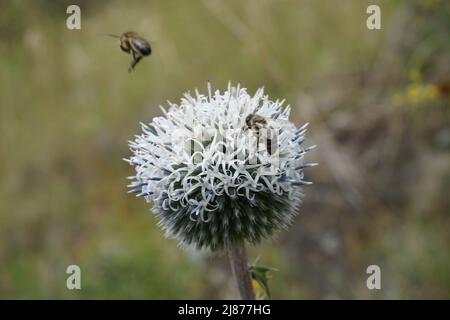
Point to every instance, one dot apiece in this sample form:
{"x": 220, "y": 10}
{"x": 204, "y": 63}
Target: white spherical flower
{"x": 222, "y": 168}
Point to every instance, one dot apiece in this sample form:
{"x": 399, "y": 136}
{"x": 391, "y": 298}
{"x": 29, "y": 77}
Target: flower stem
{"x": 238, "y": 260}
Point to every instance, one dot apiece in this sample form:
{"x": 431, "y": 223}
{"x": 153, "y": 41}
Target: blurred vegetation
{"x": 377, "y": 101}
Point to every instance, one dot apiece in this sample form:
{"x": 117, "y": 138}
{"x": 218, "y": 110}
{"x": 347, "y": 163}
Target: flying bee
{"x": 130, "y": 42}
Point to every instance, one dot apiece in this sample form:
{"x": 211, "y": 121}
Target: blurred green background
{"x": 378, "y": 106}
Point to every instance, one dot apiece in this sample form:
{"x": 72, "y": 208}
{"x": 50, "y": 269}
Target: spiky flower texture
{"x": 215, "y": 180}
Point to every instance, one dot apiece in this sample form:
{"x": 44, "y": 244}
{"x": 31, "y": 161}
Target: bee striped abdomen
{"x": 141, "y": 45}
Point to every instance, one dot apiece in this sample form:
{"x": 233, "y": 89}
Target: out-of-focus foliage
{"x": 377, "y": 101}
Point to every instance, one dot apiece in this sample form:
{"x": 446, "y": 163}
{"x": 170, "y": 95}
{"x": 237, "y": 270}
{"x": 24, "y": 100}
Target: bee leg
{"x": 257, "y": 140}
{"x": 135, "y": 61}
{"x": 269, "y": 146}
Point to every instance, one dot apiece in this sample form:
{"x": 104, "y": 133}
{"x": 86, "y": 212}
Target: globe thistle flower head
{"x": 221, "y": 168}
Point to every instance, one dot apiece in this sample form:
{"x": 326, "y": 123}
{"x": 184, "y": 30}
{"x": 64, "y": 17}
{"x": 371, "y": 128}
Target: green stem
{"x": 239, "y": 264}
